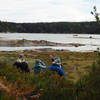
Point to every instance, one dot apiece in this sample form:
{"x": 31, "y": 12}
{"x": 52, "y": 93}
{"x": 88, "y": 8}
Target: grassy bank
{"x": 48, "y": 85}
{"x": 75, "y": 64}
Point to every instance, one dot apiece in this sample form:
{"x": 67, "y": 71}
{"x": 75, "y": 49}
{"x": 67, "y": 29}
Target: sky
{"x": 47, "y": 10}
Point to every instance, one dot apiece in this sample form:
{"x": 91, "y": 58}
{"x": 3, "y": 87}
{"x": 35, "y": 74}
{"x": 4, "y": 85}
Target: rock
{"x": 27, "y": 43}
{"x": 90, "y": 37}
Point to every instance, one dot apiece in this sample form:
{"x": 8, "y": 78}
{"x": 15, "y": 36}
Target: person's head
{"x": 38, "y": 61}
{"x": 51, "y": 56}
{"x": 57, "y": 60}
{"x": 21, "y": 56}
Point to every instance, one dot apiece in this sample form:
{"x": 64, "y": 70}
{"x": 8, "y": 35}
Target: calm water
{"x": 91, "y": 43}
{"x": 80, "y": 49}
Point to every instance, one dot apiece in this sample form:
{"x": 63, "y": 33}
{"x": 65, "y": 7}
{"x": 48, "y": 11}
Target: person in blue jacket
{"x": 56, "y": 66}
{"x": 38, "y": 66}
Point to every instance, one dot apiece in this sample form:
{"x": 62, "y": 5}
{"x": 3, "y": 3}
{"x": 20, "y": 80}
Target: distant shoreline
{"x": 50, "y": 33}
{"x": 51, "y": 27}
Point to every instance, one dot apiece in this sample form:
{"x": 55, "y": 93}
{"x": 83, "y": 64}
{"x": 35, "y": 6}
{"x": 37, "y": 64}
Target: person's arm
{"x": 42, "y": 65}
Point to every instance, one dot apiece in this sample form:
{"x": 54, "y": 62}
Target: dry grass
{"x": 75, "y": 64}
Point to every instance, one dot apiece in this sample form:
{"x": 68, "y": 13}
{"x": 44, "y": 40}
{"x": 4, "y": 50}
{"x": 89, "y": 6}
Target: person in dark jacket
{"x": 38, "y": 66}
{"x": 21, "y": 64}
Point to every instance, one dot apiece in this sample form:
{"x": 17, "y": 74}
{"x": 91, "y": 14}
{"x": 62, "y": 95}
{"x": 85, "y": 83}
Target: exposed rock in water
{"x": 90, "y": 37}
{"x": 26, "y": 43}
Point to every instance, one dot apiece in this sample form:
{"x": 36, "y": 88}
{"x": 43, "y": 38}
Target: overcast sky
{"x": 47, "y": 10}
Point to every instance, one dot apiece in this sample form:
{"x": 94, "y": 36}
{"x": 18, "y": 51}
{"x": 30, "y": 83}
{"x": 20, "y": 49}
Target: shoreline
{"x": 8, "y": 44}
{"x": 47, "y": 50}
{"x": 50, "y": 33}
{"x": 5, "y": 42}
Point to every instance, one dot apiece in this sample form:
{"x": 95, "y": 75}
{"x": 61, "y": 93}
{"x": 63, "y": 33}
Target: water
{"x": 78, "y": 49}
{"x": 91, "y": 43}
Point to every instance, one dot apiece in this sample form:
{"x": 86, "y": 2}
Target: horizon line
{"x": 49, "y": 22}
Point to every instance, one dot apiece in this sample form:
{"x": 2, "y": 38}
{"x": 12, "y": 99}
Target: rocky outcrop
{"x": 26, "y": 43}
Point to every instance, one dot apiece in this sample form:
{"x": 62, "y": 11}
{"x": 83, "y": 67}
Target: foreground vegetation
{"x": 82, "y": 81}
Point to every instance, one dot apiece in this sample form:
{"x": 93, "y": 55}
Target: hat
{"x": 57, "y": 60}
{"x": 21, "y": 56}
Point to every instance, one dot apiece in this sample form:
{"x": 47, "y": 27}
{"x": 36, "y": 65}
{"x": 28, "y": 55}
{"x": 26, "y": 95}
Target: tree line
{"x": 53, "y": 27}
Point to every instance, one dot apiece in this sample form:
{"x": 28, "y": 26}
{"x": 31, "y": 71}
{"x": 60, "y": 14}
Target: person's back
{"x": 24, "y": 67}
{"x": 21, "y": 64}
{"x": 56, "y": 66}
{"x": 17, "y": 64}
{"x": 38, "y": 66}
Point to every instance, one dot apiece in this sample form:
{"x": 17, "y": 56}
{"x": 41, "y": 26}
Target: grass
{"x": 80, "y": 68}
{"x": 75, "y": 64}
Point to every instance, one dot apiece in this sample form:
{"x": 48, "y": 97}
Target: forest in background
{"x": 53, "y": 27}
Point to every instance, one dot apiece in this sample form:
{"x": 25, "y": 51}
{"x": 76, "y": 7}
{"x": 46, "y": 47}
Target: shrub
{"x": 53, "y": 87}
{"x": 6, "y": 96}
{"x": 88, "y": 87}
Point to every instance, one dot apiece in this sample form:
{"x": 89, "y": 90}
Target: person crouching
{"x": 21, "y": 64}
{"x": 38, "y": 66}
{"x": 56, "y": 66}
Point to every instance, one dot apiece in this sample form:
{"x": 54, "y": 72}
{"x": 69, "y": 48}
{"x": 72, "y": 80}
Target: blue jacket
{"x": 38, "y": 67}
{"x": 56, "y": 68}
